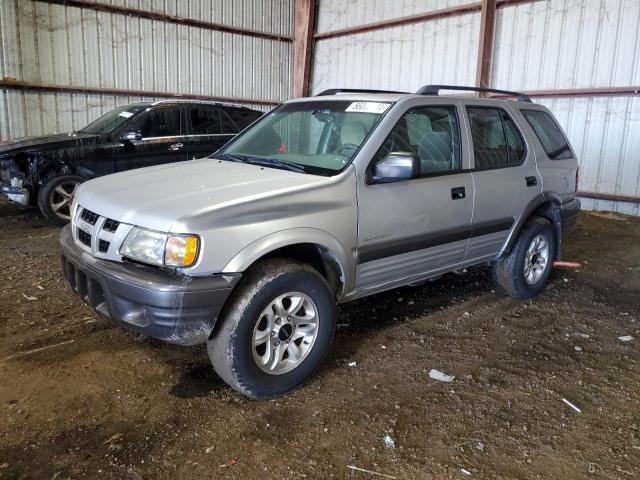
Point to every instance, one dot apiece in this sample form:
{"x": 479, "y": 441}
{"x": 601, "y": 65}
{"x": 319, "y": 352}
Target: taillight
{"x": 577, "y": 177}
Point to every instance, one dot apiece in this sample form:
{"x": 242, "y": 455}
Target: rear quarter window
{"x": 551, "y": 137}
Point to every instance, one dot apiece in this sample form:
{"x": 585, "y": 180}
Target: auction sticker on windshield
{"x": 125, "y": 114}
{"x": 367, "y": 107}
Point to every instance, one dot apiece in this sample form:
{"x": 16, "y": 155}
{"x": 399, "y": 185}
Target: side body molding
{"x": 330, "y": 247}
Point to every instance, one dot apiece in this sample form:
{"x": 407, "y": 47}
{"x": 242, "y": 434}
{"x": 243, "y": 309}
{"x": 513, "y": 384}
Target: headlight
{"x": 158, "y": 248}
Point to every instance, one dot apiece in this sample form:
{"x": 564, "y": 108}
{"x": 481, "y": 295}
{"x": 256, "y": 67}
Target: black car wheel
{"x": 56, "y": 196}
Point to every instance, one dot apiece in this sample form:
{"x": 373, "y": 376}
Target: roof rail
{"x": 435, "y": 89}
{"x": 333, "y": 91}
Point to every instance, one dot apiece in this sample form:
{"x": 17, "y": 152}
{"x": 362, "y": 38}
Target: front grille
{"x": 110, "y": 225}
{"x": 84, "y": 237}
{"x": 89, "y": 217}
{"x": 103, "y": 246}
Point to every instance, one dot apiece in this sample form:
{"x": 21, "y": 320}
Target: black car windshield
{"x": 318, "y": 137}
{"x": 112, "y": 120}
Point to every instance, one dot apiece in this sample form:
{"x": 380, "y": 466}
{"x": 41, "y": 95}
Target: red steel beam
{"x": 419, "y": 18}
{"x": 7, "y": 83}
{"x": 163, "y": 17}
{"x": 485, "y": 45}
{"x": 304, "y": 16}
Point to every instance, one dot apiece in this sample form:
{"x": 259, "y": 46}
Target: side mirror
{"x": 396, "y": 167}
{"x": 129, "y": 135}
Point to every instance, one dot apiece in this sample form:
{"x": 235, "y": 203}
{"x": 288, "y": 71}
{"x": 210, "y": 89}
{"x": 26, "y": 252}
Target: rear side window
{"x": 205, "y": 121}
{"x": 550, "y": 136}
{"x": 243, "y": 117}
{"x": 164, "y": 122}
{"x": 497, "y": 142}
{"x": 431, "y": 133}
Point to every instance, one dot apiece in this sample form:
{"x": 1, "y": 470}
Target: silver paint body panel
{"x": 242, "y": 212}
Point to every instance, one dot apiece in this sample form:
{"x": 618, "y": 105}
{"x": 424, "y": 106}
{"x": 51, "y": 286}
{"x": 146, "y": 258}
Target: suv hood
{"x": 165, "y": 197}
{"x": 46, "y": 142}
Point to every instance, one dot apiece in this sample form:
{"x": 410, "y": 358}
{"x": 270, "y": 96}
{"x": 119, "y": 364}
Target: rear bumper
{"x": 176, "y": 309}
{"x": 15, "y": 194}
{"x": 569, "y": 214}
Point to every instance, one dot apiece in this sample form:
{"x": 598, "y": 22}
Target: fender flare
{"x": 540, "y": 199}
{"x": 331, "y": 249}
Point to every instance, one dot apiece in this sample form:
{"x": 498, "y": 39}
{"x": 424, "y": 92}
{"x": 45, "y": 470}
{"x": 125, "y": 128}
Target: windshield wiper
{"x": 274, "y": 162}
{"x": 231, "y": 158}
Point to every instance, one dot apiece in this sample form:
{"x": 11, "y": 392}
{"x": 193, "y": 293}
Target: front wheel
{"x": 275, "y": 331}
{"x": 56, "y": 196}
{"x": 524, "y": 272}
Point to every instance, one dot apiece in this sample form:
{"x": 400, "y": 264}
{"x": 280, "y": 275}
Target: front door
{"x": 413, "y": 228}
{"x": 162, "y": 140}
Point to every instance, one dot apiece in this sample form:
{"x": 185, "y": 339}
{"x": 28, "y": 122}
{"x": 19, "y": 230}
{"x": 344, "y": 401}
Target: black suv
{"x": 45, "y": 171}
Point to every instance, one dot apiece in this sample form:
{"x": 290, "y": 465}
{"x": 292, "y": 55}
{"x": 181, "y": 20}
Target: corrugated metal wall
{"x": 400, "y": 58}
{"x": 560, "y": 44}
{"x": 548, "y": 44}
{"x": 62, "y": 45}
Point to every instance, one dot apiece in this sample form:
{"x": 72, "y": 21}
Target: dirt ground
{"x": 80, "y": 399}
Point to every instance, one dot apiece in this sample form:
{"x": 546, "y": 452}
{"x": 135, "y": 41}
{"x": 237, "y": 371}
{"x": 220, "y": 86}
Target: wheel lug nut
{"x": 273, "y": 334}
{"x": 289, "y": 318}
{"x": 278, "y": 321}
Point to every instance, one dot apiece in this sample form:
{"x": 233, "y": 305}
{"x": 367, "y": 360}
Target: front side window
{"x": 550, "y": 136}
{"x": 496, "y": 140}
{"x": 205, "y": 121}
{"x": 430, "y": 133}
{"x": 164, "y": 122}
{"x": 316, "y": 136}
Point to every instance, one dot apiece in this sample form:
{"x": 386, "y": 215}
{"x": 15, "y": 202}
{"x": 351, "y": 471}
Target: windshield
{"x": 112, "y": 120}
{"x": 317, "y": 137}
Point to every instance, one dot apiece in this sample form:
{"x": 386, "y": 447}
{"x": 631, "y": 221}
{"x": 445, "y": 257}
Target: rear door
{"x": 411, "y": 228}
{"x": 504, "y": 174}
{"x": 162, "y": 139}
{"x": 209, "y": 129}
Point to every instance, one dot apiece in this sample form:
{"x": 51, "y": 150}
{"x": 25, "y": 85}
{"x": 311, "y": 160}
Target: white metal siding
{"x": 400, "y": 58}
{"x": 339, "y": 14}
{"x": 63, "y": 45}
{"x": 564, "y": 44}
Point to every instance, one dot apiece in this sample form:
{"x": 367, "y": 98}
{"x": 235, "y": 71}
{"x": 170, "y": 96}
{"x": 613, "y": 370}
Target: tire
{"x": 58, "y": 192}
{"x": 509, "y": 273}
{"x": 242, "y": 338}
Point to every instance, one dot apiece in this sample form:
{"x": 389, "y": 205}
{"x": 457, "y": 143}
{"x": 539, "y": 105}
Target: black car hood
{"x": 47, "y": 142}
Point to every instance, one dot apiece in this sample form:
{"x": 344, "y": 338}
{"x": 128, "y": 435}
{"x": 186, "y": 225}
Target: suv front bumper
{"x": 176, "y": 309}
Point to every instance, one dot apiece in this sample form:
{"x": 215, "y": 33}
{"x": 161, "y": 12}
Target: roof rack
{"x": 333, "y": 91}
{"x": 435, "y": 89}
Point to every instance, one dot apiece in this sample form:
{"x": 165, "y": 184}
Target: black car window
{"x": 496, "y": 140}
{"x": 113, "y": 119}
{"x": 550, "y": 136}
{"x": 163, "y": 122}
{"x": 431, "y": 133}
{"x": 205, "y": 121}
{"x": 243, "y": 117}
{"x": 228, "y": 127}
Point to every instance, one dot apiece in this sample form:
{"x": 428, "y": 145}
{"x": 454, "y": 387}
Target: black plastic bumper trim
{"x": 176, "y": 309}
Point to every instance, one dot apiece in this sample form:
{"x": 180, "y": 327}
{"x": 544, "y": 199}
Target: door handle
{"x": 457, "y": 193}
{"x": 531, "y": 181}
{"x": 175, "y": 147}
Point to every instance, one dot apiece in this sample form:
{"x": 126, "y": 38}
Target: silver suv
{"x": 323, "y": 200}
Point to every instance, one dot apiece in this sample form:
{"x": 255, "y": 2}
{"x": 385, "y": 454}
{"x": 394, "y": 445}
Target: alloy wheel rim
{"x": 61, "y": 199}
{"x": 536, "y": 259}
{"x": 285, "y": 333}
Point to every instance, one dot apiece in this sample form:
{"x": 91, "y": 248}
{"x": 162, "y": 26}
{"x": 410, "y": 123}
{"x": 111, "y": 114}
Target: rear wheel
{"x": 56, "y": 196}
{"x": 524, "y": 272}
{"x": 275, "y": 331}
